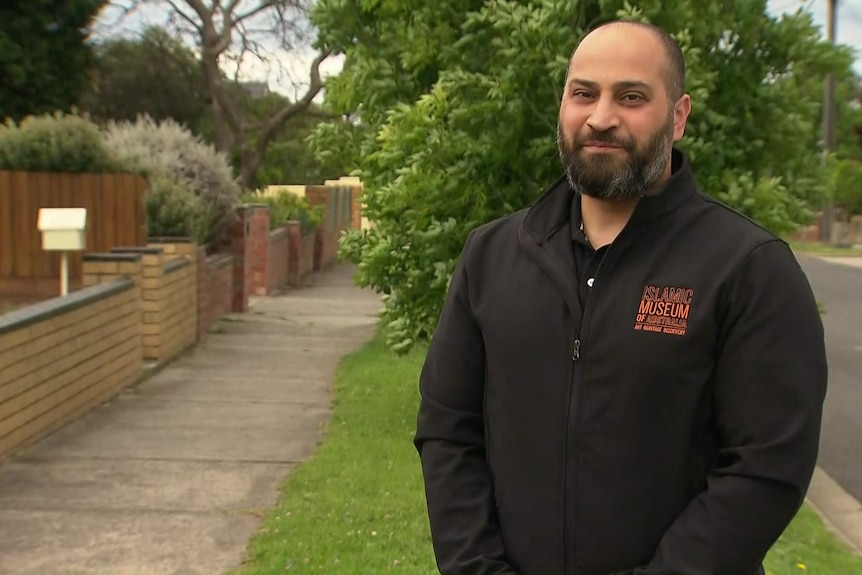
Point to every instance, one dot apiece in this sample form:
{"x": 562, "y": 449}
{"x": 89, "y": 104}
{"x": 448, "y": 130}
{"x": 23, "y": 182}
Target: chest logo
{"x": 664, "y": 309}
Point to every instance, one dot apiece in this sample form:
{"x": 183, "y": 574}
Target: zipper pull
{"x": 576, "y": 351}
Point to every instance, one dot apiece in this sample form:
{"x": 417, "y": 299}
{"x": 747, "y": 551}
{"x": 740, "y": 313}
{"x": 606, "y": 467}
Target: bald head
{"x": 674, "y": 64}
{"x": 623, "y": 107}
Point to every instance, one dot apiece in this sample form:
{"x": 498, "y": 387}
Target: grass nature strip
{"x": 821, "y": 249}
{"x": 357, "y": 507}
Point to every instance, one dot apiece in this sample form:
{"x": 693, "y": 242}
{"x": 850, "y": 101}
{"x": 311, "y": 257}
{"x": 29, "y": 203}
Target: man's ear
{"x": 681, "y": 110}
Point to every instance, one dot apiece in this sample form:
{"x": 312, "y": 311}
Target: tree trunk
{"x": 221, "y": 135}
{"x": 250, "y": 161}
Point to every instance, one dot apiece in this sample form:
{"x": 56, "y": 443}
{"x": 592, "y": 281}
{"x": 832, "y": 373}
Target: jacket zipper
{"x": 552, "y": 259}
{"x": 574, "y": 396}
{"x": 574, "y": 413}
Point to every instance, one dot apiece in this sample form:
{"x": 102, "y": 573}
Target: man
{"x": 627, "y": 377}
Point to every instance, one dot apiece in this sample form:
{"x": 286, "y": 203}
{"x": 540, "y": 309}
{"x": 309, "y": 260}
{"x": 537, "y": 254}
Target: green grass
{"x": 807, "y": 546}
{"x": 825, "y": 249}
{"x": 357, "y": 506}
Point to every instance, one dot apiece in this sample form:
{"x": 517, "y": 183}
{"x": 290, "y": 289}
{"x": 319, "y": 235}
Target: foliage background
{"x": 457, "y": 106}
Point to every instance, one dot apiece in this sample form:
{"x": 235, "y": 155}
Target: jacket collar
{"x": 553, "y": 209}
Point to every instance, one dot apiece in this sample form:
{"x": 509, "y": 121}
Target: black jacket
{"x": 669, "y": 428}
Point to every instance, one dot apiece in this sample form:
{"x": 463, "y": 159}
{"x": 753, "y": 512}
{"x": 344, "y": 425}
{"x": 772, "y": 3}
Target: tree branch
{"x": 322, "y": 114}
{"x": 185, "y": 16}
{"x": 251, "y": 13}
{"x": 275, "y": 122}
{"x": 199, "y": 8}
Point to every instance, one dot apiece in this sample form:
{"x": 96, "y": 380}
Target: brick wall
{"x": 278, "y": 252}
{"x": 174, "y": 248}
{"x": 134, "y": 302}
{"x": 178, "y": 305}
{"x": 151, "y": 272}
{"x": 318, "y": 196}
{"x": 842, "y": 231}
{"x": 258, "y": 247}
{"x": 240, "y": 246}
{"x": 300, "y": 253}
{"x": 215, "y": 289}
{"x": 63, "y": 356}
{"x": 169, "y": 305}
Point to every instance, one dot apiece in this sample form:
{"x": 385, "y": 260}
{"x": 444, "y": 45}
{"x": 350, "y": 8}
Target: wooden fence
{"x": 116, "y": 216}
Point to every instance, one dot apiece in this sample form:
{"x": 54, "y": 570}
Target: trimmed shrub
{"x": 55, "y": 143}
{"x": 285, "y": 206}
{"x": 168, "y": 150}
{"x": 173, "y": 210}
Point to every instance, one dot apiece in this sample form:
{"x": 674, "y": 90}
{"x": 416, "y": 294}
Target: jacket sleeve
{"x": 770, "y": 384}
{"x": 451, "y": 445}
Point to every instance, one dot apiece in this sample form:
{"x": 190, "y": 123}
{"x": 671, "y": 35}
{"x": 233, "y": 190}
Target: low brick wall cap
{"x": 139, "y": 250}
{"x": 176, "y": 264}
{"x": 45, "y": 310}
{"x": 170, "y": 240}
{"x": 113, "y": 257}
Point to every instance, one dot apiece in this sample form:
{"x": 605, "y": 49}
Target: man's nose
{"x": 604, "y": 116}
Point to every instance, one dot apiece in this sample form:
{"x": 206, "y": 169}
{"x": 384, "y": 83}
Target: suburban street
{"x": 839, "y": 288}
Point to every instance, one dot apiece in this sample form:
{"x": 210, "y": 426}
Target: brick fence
{"x": 844, "y": 232}
{"x": 63, "y": 356}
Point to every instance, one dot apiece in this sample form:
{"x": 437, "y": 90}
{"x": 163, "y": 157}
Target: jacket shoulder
{"x": 731, "y": 224}
{"x": 494, "y": 234}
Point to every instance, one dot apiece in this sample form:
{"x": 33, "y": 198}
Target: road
{"x": 839, "y": 288}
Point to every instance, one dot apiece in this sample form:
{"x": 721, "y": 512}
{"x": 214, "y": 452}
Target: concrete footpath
{"x": 171, "y": 478}
{"x": 840, "y": 511}
{"x": 852, "y": 261}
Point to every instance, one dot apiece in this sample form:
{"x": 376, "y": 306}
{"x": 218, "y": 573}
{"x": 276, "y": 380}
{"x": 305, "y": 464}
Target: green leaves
{"x": 457, "y": 104}
{"x": 285, "y": 206}
{"x": 844, "y": 184}
{"x": 55, "y": 143}
{"x": 170, "y": 151}
{"x": 44, "y": 55}
{"x": 765, "y": 200}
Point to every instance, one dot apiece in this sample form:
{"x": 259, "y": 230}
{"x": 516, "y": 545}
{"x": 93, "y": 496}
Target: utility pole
{"x": 829, "y": 122}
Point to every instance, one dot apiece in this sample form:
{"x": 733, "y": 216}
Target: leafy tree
{"x": 845, "y": 184}
{"x": 844, "y": 165}
{"x": 240, "y": 32}
{"x": 288, "y": 158}
{"x": 458, "y": 101}
{"x": 44, "y": 56}
{"x": 154, "y": 75}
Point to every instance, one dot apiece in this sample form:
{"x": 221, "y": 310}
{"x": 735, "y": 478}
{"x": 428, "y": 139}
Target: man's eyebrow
{"x": 622, "y": 85}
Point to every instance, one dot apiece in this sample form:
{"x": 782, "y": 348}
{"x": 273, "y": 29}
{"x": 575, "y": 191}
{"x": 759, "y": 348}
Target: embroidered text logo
{"x": 664, "y": 309}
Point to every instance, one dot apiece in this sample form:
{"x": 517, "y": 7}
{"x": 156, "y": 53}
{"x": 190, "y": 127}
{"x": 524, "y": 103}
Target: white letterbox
{"x": 63, "y": 229}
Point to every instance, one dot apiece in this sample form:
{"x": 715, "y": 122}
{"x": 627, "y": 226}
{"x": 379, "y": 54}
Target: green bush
{"x": 459, "y": 104}
{"x": 55, "y": 143}
{"x": 168, "y": 150}
{"x": 285, "y": 206}
{"x": 173, "y": 210}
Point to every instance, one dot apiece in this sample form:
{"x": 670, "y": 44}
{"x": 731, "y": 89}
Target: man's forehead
{"x": 619, "y": 52}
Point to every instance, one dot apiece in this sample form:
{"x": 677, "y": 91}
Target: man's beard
{"x": 609, "y": 176}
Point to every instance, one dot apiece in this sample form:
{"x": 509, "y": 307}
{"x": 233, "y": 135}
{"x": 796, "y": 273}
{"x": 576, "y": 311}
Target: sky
{"x": 290, "y": 69}
{"x": 849, "y": 28}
